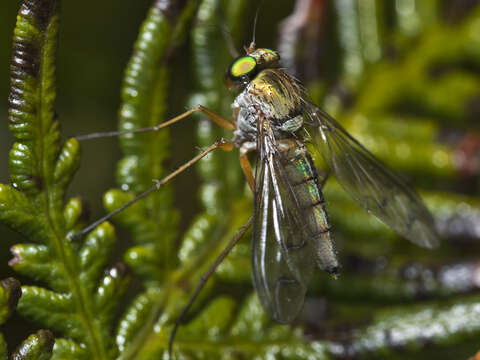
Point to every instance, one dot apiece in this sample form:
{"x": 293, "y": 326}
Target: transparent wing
{"x": 282, "y": 257}
{"x": 378, "y": 189}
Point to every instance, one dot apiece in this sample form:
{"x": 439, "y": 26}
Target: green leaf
{"x": 68, "y": 349}
{"x": 110, "y": 290}
{"x": 51, "y": 309}
{"x": 37, "y": 347}
{"x": 9, "y": 295}
{"x": 94, "y": 253}
{"x": 135, "y": 317}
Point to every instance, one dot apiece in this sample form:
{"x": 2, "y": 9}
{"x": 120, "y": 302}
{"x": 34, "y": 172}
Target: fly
{"x": 291, "y": 229}
{"x": 274, "y": 118}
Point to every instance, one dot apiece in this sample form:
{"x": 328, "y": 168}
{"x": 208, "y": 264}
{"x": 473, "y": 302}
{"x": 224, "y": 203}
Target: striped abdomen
{"x": 305, "y": 184}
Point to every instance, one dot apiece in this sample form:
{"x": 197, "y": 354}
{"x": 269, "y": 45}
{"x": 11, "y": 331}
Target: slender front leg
{"x": 217, "y": 119}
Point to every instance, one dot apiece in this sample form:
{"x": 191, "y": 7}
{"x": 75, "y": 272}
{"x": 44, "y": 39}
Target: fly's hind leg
{"x": 204, "y": 280}
{"x": 221, "y": 144}
{"x": 247, "y": 147}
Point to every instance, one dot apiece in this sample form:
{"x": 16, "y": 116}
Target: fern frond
{"x": 41, "y": 167}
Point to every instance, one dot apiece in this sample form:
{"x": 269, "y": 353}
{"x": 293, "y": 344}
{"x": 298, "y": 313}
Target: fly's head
{"x": 243, "y": 69}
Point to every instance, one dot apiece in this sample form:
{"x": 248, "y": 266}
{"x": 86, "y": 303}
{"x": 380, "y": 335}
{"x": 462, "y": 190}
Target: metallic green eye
{"x": 242, "y": 66}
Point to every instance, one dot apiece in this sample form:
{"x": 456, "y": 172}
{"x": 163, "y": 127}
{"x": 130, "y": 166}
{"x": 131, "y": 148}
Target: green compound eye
{"x": 243, "y": 66}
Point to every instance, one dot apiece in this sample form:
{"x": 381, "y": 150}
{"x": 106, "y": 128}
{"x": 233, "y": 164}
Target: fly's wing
{"x": 282, "y": 257}
{"x": 378, "y": 189}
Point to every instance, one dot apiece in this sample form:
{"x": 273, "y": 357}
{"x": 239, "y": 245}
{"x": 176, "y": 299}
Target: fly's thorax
{"x": 277, "y": 94}
{"x": 245, "y": 116}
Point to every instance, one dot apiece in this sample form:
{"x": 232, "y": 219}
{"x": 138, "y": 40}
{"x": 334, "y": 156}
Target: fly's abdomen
{"x": 304, "y": 182}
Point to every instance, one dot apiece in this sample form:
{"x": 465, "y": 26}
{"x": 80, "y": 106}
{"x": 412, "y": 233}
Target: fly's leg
{"x": 204, "y": 280}
{"x": 222, "y": 144}
{"x": 245, "y": 163}
{"x": 217, "y": 119}
{"x": 247, "y": 170}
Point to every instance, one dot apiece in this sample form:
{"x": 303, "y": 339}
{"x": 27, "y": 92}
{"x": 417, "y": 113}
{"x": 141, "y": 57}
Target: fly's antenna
{"x": 251, "y": 48}
{"x": 255, "y": 24}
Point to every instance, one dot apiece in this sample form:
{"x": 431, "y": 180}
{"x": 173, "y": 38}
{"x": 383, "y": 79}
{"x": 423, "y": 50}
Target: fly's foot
{"x": 157, "y": 183}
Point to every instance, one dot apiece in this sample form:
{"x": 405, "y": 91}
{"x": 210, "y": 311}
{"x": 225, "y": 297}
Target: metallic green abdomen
{"x": 306, "y": 187}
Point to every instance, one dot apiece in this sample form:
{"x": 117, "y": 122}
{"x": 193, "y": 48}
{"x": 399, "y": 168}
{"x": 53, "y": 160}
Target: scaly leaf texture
{"x": 78, "y": 301}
